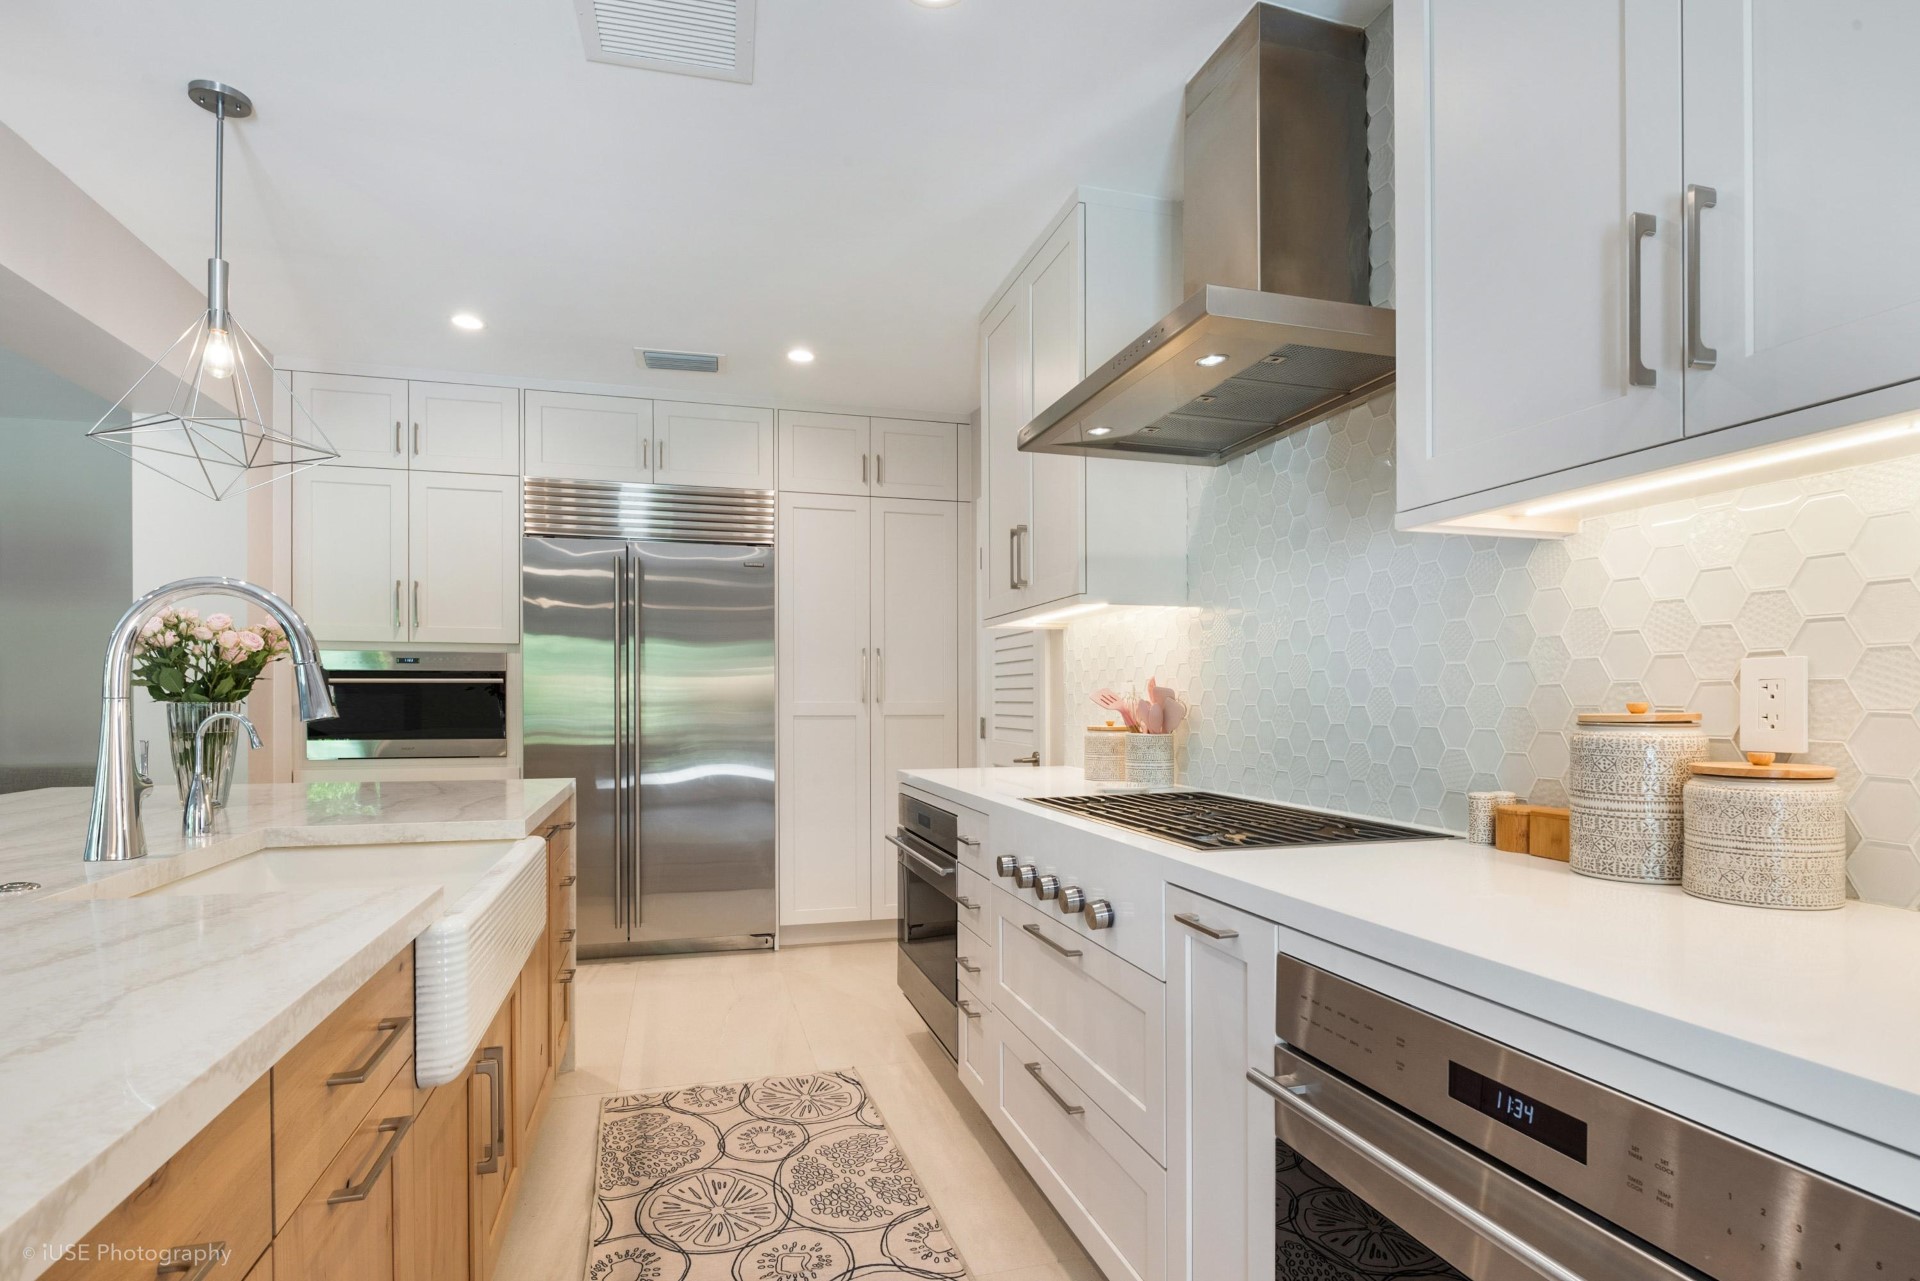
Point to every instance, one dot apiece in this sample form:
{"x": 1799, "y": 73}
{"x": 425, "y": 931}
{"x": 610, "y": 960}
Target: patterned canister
{"x": 1628, "y": 772}
{"x": 1150, "y": 760}
{"x": 1480, "y": 808}
{"x": 1766, "y": 835}
{"x": 1105, "y": 755}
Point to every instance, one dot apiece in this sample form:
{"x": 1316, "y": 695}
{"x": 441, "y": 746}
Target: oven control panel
{"x": 1716, "y": 1203}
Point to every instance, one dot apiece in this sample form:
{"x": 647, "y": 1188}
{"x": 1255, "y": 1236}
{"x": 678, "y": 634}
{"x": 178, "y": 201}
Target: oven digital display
{"x": 1539, "y": 1121}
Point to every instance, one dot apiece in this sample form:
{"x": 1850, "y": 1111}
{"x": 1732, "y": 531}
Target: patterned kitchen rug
{"x": 788, "y": 1178}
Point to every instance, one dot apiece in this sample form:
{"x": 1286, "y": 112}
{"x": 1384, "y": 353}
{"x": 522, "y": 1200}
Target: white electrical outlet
{"x": 1773, "y": 705}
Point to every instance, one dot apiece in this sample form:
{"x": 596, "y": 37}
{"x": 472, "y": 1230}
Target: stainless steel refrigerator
{"x": 648, "y": 678}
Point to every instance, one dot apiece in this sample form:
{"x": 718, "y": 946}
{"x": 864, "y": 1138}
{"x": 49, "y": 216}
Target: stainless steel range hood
{"x": 1276, "y": 332}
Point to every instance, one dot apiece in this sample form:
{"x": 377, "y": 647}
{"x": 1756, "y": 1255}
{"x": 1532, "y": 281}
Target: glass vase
{"x": 223, "y": 741}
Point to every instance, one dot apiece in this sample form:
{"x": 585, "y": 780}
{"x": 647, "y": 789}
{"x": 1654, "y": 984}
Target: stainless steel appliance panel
{"x": 704, "y": 875}
{"x": 927, "y": 844}
{"x": 572, "y": 706}
{"x": 412, "y": 705}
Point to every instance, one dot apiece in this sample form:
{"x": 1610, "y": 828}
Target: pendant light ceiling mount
{"x": 195, "y": 416}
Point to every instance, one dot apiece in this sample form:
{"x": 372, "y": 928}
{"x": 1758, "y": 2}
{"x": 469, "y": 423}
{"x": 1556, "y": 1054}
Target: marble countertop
{"x": 1816, "y": 1013}
{"x": 127, "y": 1024}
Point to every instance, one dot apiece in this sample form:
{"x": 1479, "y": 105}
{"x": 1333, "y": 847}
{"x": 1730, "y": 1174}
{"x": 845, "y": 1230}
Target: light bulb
{"x": 217, "y": 360}
{"x": 800, "y": 356}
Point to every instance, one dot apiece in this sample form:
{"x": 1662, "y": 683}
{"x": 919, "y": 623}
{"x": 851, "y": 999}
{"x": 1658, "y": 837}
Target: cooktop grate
{"x": 1210, "y": 821}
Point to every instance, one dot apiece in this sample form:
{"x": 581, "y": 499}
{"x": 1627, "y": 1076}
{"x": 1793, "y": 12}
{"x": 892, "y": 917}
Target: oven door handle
{"x": 1511, "y": 1232}
{"x": 918, "y": 857}
{"x": 415, "y": 680}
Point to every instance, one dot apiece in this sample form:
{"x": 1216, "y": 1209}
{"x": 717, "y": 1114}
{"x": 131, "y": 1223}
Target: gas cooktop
{"x": 1210, "y": 821}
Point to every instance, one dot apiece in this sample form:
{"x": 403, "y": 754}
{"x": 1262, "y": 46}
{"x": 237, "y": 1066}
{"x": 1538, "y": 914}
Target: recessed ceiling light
{"x": 935, "y": 4}
{"x": 800, "y": 356}
{"x": 1098, "y": 431}
{"x": 468, "y": 321}
{"x": 1208, "y": 362}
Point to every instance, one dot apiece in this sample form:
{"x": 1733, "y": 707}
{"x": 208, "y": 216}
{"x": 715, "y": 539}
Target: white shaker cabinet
{"x": 715, "y": 446}
{"x": 1538, "y": 198}
{"x": 881, "y": 457}
{"x": 365, "y": 419}
{"x": 464, "y": 558}
{"x": 350, "y": 553}
{"x": 455, "y": 427}
{"x": 915, "y": 459}
{"x": 1800, "y": 130}
{"x": 578, "y": 437}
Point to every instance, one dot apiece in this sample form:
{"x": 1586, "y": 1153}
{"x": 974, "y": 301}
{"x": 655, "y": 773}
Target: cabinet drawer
{"x": 215, "y": 1189}
{"x": 1110, "y": 1192}
{"x": 263, "y": 1270}
{"x": 973, "y": 840}
{"x": 974, "y": 956}
{"x": 1099, "y": 1018}
{"x": 979, "y": 1057}
{"x": 344, "y": 1225}
{"x": 327, "y": 1084}
{"x": 976, "y": 901}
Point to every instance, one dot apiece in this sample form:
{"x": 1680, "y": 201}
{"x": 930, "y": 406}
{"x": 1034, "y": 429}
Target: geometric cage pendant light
{"x": 196, "y": 416}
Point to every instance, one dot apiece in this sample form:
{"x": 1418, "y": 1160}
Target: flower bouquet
{"x": 198, "y": 666}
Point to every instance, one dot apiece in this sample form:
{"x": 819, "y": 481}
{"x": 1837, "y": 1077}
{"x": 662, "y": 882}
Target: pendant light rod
{"x": 224, "y": 101}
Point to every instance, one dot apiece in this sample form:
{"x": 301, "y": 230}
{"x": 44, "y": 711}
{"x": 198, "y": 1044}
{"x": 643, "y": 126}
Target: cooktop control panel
{"x": 1716, "y": 1203}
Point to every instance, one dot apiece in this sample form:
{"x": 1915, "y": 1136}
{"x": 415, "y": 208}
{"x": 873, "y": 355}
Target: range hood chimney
{"x": 1276, "y": 332}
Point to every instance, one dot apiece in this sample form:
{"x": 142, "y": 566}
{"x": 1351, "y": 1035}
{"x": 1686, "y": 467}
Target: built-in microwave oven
{"x": 412, "y": 705}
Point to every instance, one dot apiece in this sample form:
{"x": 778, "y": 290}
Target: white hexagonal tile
{"x": 1886, "y": 678}
{"x": 1716, "y": 653}
{"x": 1625, "y": 603}
{"x": 1827, "y": 523}
{"x": 1670, "y": 681}
{"x": 1768, "y": 621}
{"x": 1626, "y": 656}
{"x": 1717, "y": 595}
{"x": 1548, "y": 611}
{"x": 1670, "y": 626}
{"x": 1585, "y": 583}
{"x": 1887, "y": 613}
{"x": 1886, "y": 810}
{"x": 1548, "y": 755}
{"x": 1586, "y": 683}
{"x": 1769, "y": 560}
{"x": 1888, "y": 546}
{"x": 1883, "y": 872}
{"x": 1671, "y": 572}
{"x": 1586, "y": 633}
{"x": 1826, "y": 585}
{"x": 1833, "y": 713}
{"x": 1831, "y": 647}
{"x": 1887, "y": 744}
{"x": 1718, "y": 703}
{"x": 1624, "y": 552}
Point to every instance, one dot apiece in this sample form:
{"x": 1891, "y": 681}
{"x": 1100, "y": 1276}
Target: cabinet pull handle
{"x": 863, "y": 676}
{"x": 416, "y": 603}
{"x": 1013, "y": 558}
{"x": 1071, "y": 1109}
{"x": 567, "y": 880}
{"x": 1639, "y": 227}
{"x": 566, "y": 936}
{"x": 399, "y": 447}
{"x": 358, "y": 1075}
{"x": 966, "y": 1008}
{"x": 646, "y": 455}
{"x": 198, "y": 1262}
{"x": 863, "y": 469}
{"x": 970, "y": 905}
{"x": 1699, "y": 355}
{"x": 660, "y": 456}
{"x": 565, "y": 976}
{"x": 879, "y": 469}
{"x": 1064, "y": 951}
{"x": 416, "y": 440}
{"x": 492, "y": 1060}
{"x": 397, "y": 1126}
{"x": 966, "y": 963}
{"x": 548, "y": 833}
{"x": 967, "y": 840}
{"x": 1199, "y": 926}
{"x": 1021, "y": 555}
{"x": 879, "y": 675}
{"x": 398, "y": 587}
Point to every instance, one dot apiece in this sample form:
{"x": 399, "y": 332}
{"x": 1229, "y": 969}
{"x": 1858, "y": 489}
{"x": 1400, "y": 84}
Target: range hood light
{"x": 1098, "y": 431}
{"x": 1208, "y": 362}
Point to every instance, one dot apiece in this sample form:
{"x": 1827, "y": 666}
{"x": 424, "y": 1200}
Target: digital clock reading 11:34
{"x": 1541, "y": 1122}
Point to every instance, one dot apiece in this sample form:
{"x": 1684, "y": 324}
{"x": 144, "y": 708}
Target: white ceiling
{"x": 863, "y": 197}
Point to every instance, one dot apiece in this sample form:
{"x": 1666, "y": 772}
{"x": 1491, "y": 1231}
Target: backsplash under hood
{"x": 1275, "y": 332}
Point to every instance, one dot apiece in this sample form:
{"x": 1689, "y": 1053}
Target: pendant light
{"x": 195, "y": 416}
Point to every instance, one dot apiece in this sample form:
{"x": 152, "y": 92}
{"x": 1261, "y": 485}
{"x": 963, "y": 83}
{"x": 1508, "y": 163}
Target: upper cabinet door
{"x": 1006, "y": 397}
{"x": 576, "y": 437}
{"x": 1801, "y": 126}
{"x": 465, "y": 558}
{"x": 363, "y": 418}
{"x": 1534, "y": 141}
{"x": 1055, "y": 553}
{"x": 915, "y": 459}
{"x": 350, "y": 553}
{"x": 719, "y": 446}
{"x": 458, "y": 428}
{"x": 824, "y": 453}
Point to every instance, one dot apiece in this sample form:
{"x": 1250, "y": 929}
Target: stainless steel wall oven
{"x": 928, "y": 846}
{"x": 412, "y": 705}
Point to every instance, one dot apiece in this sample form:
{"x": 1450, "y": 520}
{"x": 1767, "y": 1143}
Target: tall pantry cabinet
{"x": 870, "y": 595}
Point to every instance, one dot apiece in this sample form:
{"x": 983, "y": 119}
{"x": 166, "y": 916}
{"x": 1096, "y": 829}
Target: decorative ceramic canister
{"x": 1480, "y": 808}
{"x": 1150, "y": 760}
{"x": 1105, "y": 754}
{"x": 1629, "y": 770}
{"x": 1766, "y": 835}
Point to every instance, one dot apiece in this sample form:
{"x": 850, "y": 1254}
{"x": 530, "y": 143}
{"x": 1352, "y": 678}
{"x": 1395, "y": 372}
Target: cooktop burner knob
{"x": 1046, "y": 886}
{"x": 1005, "y": 864}
{"x": 1099, "y": 915}
{"x": 1025, "y": 875}
{"x": 1072, "y": 899}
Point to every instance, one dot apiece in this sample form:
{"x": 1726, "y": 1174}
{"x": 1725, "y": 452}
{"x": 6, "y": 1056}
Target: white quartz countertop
{"x": 127, "y": 1024}
{"x": 1817, "y": 1012}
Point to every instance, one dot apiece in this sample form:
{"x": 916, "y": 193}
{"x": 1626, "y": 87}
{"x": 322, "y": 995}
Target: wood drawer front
{"x": 1098, "y": 1017}
{"x": 1110, "y": 1192}
{"x": 977, "y": 890}
{"x": 974, "y": 955}
{"x": 353, "y": 1238}
{"x": 263, "y": 1270}
{"x": 311, "y": 1119}
{"x": 215, "y": 1189}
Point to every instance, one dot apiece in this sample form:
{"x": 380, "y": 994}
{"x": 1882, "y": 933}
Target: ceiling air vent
{"x": 683, "y": 362}
{"x": 711, "y": 38}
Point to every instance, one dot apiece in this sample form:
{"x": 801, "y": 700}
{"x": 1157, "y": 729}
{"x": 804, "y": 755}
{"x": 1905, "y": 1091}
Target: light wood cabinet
{"x": 263, "y": 1270}
{"x": 533, "y": 1042}
{"x": 343, "y": 1225}
{"x": 715, "y": 446}
{"x": 455, "y": 427}
{"x": 432, "y": 1210}
{"x": 492, "y": 1144}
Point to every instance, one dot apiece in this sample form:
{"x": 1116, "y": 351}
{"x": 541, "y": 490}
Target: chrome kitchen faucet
{"x": 114, "y": 832}
{"x": 196, "y": 818}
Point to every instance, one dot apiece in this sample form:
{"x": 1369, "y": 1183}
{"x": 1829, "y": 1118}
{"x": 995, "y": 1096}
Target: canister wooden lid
{"x": 1762, "y": 765}
{"x": 1108, "y": 728}
{"x": 1639, "y": 714}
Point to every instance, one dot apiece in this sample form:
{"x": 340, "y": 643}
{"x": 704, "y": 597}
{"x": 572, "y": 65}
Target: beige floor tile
{"x": 547, "y": 1239}
{"x": 602, "y": 1014}
{"x": 1082, "y": 1270}
{"x": 692, "y": 1028}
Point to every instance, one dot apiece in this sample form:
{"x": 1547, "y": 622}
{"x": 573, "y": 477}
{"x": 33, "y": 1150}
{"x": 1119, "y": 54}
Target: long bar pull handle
{"x": 646, "y": 455}
{"x": 863, "y": 468}
{"x": 399, "y": 586}
{"x": 399, "y": 446}
{"x": 192, "y": 1262}
{"x": 358, "y": 1075}
{"x": 397, "y": 1127}
{"x": 416, "y": 440}
{"x": 879, "y": 469}
{"x": 966, "y": 1008}
{"x": 1639, "y": 227}
{"x": 416, "y": 603}
{"x": 966, "y": 963}
{"x": 1060, "y": 948}
{"x": 566, "y": 975}
{"x": 1699, "y": 355}
{"x": 1020, "y": 555}
{"x": 863, "y": 676}
{"x": 660, "y": 456}
{"x": 917, "y": 856}
{"x": 636, "y": 673}
{"x": 879, "y": 675}
{"x": 1194, "y": 923}
{"x": 492, "y": 1059}
{"x": 621, "y": 721}
{"x": 1013, "y": 558}
{"x": 1071, "y": 1109}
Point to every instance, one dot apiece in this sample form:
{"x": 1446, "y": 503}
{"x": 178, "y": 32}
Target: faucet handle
{"x": 196, "y": 818}
{"x": 141, "y": 777}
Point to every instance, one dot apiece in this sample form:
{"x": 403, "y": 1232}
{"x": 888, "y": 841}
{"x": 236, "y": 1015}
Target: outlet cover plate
{"x": 1773, "y": 704}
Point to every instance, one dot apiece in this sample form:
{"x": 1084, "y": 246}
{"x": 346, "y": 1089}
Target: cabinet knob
{"x": 1099, "y": 915}
{"x": 1072, "y": 899}
{"x": 1006, "y": 865}
{"x": 1046, "y": 886}
{"x": 1025, "y": 875}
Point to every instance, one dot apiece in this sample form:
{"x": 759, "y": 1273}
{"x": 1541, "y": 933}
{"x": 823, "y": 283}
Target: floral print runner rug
{"x": 788, "y": 1178}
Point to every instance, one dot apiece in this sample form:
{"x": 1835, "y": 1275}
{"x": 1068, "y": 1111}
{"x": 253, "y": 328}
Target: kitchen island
{"x": 130, "y": 1024}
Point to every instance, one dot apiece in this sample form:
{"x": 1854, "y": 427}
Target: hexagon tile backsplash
{"x": 1331, "y": 659}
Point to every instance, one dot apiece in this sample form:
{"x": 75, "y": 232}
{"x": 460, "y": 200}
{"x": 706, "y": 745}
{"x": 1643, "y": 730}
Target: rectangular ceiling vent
{"x": 681, "y": 362}
{"x": 712, "y": 38}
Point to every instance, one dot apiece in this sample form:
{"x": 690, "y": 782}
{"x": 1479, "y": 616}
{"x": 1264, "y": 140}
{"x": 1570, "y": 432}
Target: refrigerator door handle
{"x": 620, "y": 752}
{"x": 636, "y": 745}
